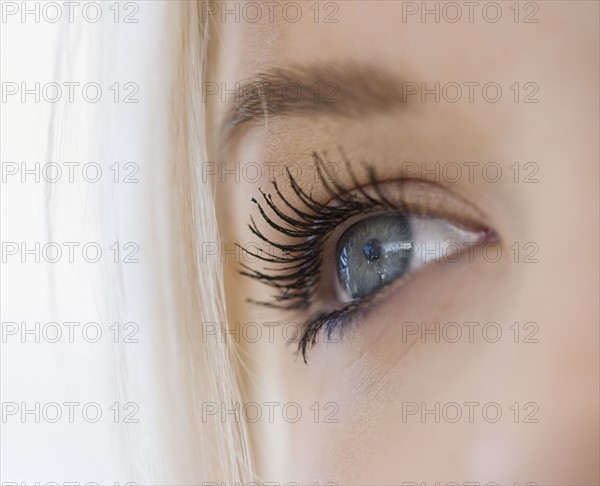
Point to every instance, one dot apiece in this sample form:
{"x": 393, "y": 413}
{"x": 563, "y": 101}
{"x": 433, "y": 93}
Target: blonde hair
{"x": 174, "y": 369}
{"x": 201, "y": 291}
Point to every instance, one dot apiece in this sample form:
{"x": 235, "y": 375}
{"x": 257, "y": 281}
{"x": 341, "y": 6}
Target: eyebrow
{"x": 348, "y": 90}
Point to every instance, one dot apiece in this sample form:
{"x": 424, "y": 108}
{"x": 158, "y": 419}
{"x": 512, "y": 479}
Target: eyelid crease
{"x": 426, "y": 198}
{"x": 418, "y": 195}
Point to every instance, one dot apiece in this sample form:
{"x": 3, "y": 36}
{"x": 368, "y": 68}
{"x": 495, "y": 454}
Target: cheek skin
{"x": 382, "y": 368}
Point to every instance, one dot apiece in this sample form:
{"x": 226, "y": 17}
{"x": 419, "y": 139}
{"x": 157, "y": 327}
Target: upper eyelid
{"x": 425, "y": 198}
{"x": 449, "y": 205}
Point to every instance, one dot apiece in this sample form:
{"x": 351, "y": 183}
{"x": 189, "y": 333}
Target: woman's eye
{"x": 380, "y": 249}
{"x": 332, "y": 257}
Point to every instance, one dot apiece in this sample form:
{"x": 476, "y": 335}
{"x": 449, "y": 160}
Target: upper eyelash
{"x": 298, "y": 272}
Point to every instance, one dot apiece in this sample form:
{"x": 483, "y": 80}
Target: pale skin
{"x": 375, "y": 369}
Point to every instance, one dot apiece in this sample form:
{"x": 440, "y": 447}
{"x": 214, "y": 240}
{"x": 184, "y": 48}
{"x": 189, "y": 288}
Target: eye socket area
{"x": 304, "y": 274}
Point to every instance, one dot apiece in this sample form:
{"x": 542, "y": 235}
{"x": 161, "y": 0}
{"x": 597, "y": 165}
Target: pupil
{"x": 372, "y": 249}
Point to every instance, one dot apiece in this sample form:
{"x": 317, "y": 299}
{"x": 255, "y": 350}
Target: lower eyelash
{"x": 331, "y": 322}
{"x": 297, "y": 270}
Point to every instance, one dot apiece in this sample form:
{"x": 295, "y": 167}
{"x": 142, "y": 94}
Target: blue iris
{"x": 374, "y": 252}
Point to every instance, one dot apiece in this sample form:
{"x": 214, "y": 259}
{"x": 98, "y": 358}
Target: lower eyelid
{"x": 364, "y": 307}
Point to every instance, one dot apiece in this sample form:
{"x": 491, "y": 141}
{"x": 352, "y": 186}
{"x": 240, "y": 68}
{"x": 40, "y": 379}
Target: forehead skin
{"x": 560, "y": 55}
